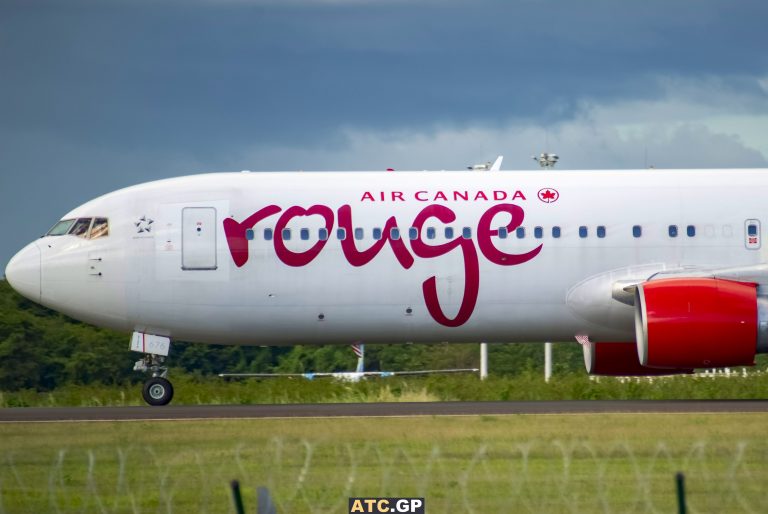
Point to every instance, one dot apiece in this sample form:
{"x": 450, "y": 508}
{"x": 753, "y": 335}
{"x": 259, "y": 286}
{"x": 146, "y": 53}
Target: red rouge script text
{"x": 238, "y": 246}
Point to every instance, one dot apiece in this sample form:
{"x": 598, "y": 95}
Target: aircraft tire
{"x": 157, "y": 391}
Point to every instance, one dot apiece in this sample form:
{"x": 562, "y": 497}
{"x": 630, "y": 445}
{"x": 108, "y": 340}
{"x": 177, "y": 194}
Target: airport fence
{"x": 316, "y": 477}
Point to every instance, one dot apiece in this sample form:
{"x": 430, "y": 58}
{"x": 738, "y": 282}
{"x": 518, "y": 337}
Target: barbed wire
{"x": 540, "y": 475}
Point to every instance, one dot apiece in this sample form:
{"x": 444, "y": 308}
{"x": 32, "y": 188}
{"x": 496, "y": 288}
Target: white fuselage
{"x": 173, "y": 265}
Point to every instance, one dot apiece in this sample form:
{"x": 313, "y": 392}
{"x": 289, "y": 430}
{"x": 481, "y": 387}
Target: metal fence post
{"x": 237, "y": 497}
{"x": 680, "y": 480}
{"x": 265, "y": 505}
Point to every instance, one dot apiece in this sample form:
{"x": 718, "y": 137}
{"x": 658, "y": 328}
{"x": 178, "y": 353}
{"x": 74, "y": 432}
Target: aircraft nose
{"x": 23, "y": 272}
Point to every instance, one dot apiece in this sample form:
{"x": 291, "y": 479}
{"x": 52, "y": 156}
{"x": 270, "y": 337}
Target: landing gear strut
{"x": 158, "y": 389}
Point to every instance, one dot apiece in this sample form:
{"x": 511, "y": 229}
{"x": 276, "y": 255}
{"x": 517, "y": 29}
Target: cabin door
{"x": 198, "y": 238}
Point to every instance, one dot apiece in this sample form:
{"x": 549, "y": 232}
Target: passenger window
{"x": 377, "y": 233}
{"x": 520, "y": 232}
{"x": 637, "y": 231}
{"x": 556, "y": 232}
{"x": 100, "y": 228}
{"x": 60, "y": 228}
{"x": 268, "y": 234}
{"x": 538, "y": 232}
{"x": 358, "y": 233}
{"x": 672, "y": 231}
{"x": 304, "y": 234}
{"x": 394, "y": 233}
{"x": 583, "y": 232}
{"x": 413, "y": 233}
{"x": 503, "y": 232}
{"x": 600, "y": 231}
{"x": 80, "y": 228}
{"x": 466, "y": 233}
{"x": 430, "y": 232}
{"x": 322, "y": 234}
{"x": 449, "y": 232}
{"x": 286, "y": 234}
{"x": 249, "y": 235}
{"x": 341, "y": 234}
{"x": 690, "y": 230}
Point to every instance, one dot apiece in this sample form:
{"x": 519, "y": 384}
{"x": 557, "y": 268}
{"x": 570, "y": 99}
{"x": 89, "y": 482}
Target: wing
{"x": 347, "y": 375}
{"x": 308, "y": 376}
{"x": 418, "y": 372}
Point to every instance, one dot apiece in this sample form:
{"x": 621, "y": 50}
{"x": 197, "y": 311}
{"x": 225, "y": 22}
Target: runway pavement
{"x": 331, "y": 410}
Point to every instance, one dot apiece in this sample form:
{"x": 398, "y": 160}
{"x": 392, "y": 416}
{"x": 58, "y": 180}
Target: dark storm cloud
{"x": 227, "y": 73}
{"x": 98, "y": 95}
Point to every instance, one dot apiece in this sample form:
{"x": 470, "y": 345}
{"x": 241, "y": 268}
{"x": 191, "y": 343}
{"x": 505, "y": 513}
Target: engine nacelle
{"x": 620, "y": 360}
{"x": 698, "y": 323}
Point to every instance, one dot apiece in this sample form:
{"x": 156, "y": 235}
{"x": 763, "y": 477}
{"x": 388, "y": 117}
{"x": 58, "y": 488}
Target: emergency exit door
{"x": 198, "y": 238}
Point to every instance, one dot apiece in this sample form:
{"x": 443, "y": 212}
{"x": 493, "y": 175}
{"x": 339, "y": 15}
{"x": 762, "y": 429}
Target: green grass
{"x": 486, "y": 464}
{"x": 527, "y": 386}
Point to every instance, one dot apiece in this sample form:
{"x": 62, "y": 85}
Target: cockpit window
{"x": 60, "y": 228}
{"x": 100, "y": 228}
{"x": 81, "y": 226}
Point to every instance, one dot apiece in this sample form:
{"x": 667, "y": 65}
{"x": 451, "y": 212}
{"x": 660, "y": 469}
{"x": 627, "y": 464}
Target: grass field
{"x": 192, "y": 390}
{"x": 522, "y": 463}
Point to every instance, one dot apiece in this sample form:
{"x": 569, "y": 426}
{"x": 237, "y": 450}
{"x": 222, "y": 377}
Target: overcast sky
{"x": 97, "y": 95}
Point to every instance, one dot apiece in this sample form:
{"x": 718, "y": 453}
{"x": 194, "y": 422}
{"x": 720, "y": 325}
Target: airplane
{"x": 487, "y": 166}
{"x": 350, "y": 376}
{"x": 652, "y": 271}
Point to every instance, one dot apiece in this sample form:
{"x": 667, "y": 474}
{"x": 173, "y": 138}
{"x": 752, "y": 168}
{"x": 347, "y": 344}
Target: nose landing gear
{"x": 157, "y": 390}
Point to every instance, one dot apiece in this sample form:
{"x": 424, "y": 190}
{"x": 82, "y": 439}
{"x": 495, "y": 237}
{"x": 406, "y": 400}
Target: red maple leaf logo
{"x": 548, "y": 195}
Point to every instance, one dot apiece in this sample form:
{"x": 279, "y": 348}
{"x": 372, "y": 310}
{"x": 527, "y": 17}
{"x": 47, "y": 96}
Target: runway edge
{"x": 331, "y": 410}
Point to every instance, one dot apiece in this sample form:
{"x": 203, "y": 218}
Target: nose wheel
{"x": 157, "y": 391}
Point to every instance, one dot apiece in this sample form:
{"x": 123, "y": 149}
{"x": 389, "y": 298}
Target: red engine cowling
{"x": 696, "y": 323}
{"x": 620, "y": 360}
